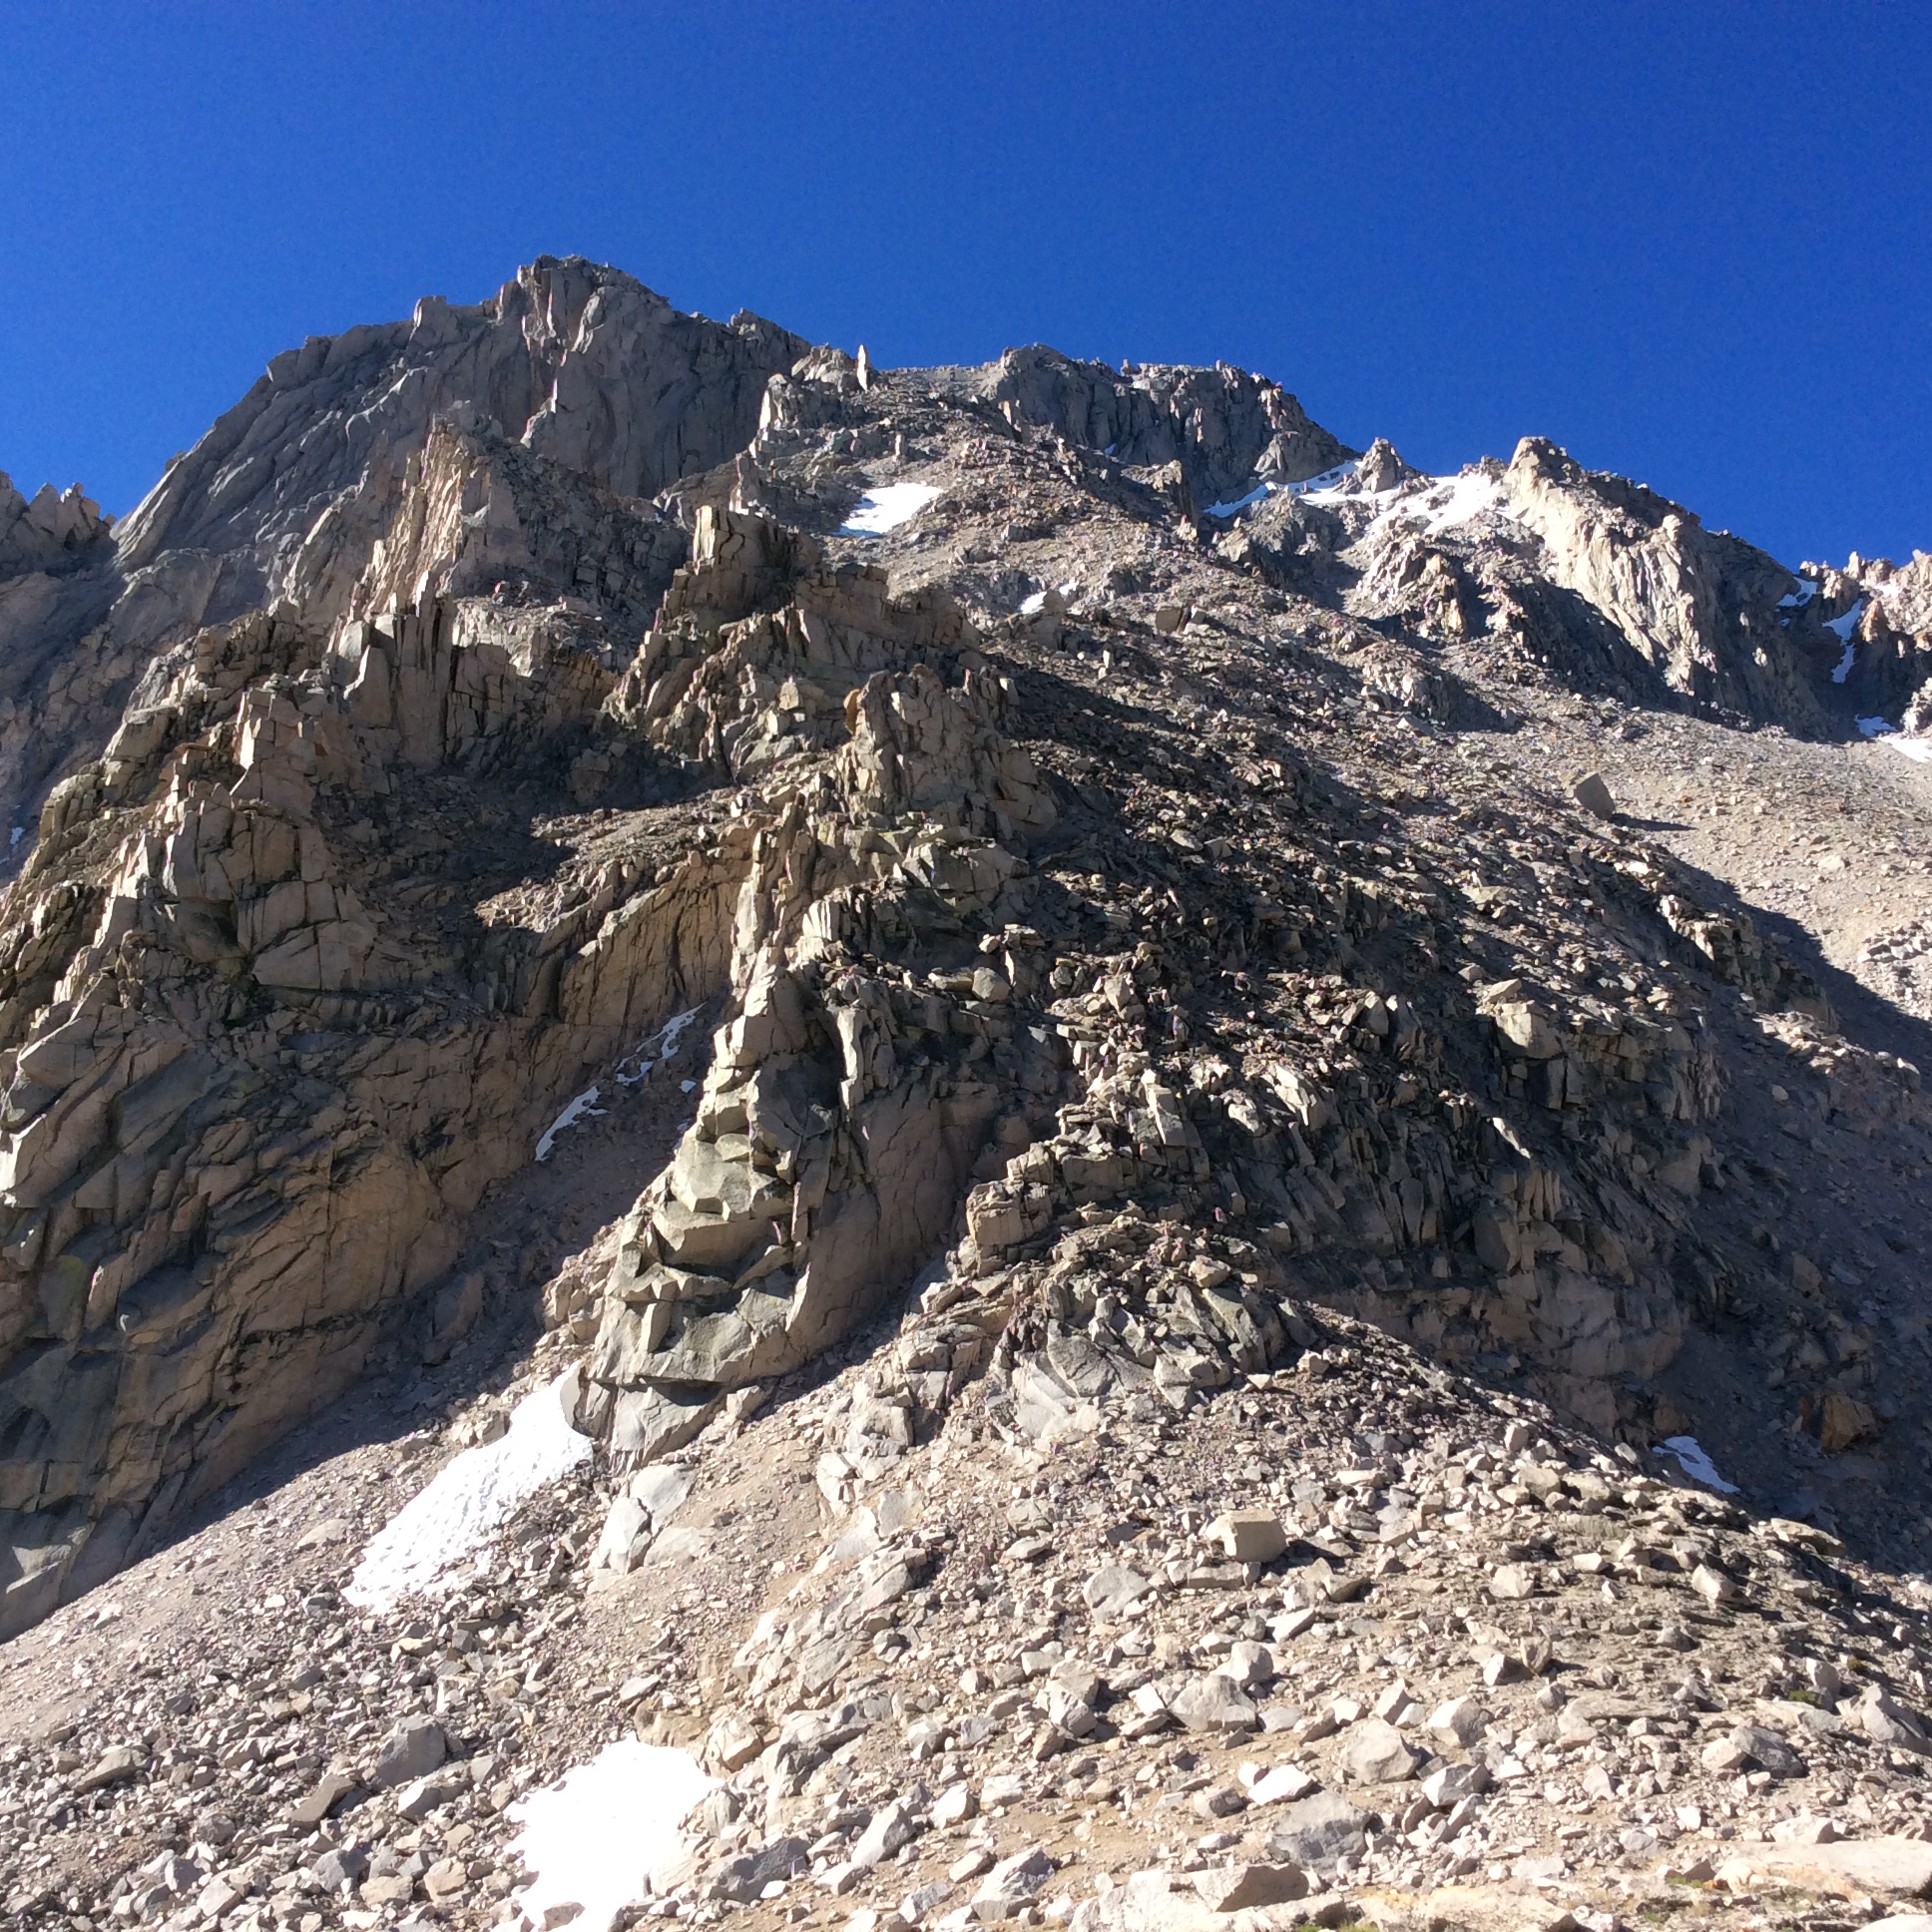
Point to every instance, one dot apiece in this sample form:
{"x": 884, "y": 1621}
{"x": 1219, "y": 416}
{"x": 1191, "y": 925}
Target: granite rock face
{"x": 1067, "y": 865}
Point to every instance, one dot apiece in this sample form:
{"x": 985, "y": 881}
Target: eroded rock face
{"x": 1700, "y": 607}
{"x": 1040, "y": 940}
{"x": 289, "y": 495}
{"x": 1222, "y": 426}
{"x": 1543, "y": 563}
{"x": 54, "y": 533}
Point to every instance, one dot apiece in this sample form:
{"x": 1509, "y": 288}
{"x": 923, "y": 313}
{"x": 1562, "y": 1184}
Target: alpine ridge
{"x": 1126, "y": 1167}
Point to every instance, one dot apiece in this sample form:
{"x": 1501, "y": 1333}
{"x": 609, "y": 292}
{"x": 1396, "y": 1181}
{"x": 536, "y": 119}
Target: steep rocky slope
{"x": 1167, "y": 1002}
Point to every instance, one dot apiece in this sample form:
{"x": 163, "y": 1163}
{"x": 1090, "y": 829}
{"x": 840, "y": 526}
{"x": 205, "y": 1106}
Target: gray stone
{"x": 116, "y": 1765}
{"x": 413, "y": 1749}
{"x": 1237, "y": 1888}
{"x": 1111, "y": 1588}
{"x": 1766, "y": 1749}
{"x": 1213, "y": 1702}
{"x": 1462, "y": 1718}
{"x": 427, "y": 1794}
{"x": 1454, "y": 1782}
{"x": 1891, "y": 1864}
{"x": 1375, "y": 1754}
{"x": 890, "y": 1828}
{"x": 1007, "y": 1890}
{"x": 1591, "y": 792}
{"x": 1315, "y": 1831}
{"x": 1249, "y": 1535}
{"x": 1888, "y": 1723}
{"x": 322, "y": 1798}
{"x": 742, "y": 1878}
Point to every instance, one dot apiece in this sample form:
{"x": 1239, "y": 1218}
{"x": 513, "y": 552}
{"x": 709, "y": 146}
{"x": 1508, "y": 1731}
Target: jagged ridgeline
{"x": 485, "y": 689}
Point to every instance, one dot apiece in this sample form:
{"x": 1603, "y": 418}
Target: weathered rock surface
{"x": 1107, "y": 926}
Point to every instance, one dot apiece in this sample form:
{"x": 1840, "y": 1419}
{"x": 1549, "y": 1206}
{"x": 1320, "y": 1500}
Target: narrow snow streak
{"x": 585, "y": 1104}
{"x": 886, "y": 508}
{"x": 595, "y": 1836}
{"x": 1841, "y": 626}
{"x": 1240, "y": 503}
{"x": 1694, "y": 1463}
{"x": 662, "y": 1045}
{"x": 466, "y": 1502}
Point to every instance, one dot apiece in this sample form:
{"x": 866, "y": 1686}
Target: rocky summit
{"x": 820, "y": 1145}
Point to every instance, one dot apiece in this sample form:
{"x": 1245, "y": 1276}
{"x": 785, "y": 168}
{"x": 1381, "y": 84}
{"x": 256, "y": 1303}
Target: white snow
{"x": 1842, "y": 626}
{"x": 595, "y": 1836}
{"x": 1034, "y": 604}
{"x": 1694, "y": 1463}
{"x": 662, "y": 1045}
{"x": 584, "y": 1105}
{"x": 1321, "y": 488}
{"x": 1798, "y": 599}
{"x": 466, "y": 1501}
{"x": 1918, "y": 749}
{"x": 1438, "y": 502}
{"x": 19, "y": 832}
{"x": 1873, "y": 727}
{"x": 1448, "y": 501}
{"x": 1240, "y": 503}
{"x": 1327, "y": 481}
{"x": 886, "y": 508}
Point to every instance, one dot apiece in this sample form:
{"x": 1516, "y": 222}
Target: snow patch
{"x": 1798, "y": 599}
{"x": 585, "y": 1104}
{"x": 654, "y": 1047}
{"x": 1445, "y": 502}
{"x": 467, "y": 1501}
{"x": 1034, "y": 604}
{"x": 1873, "y": 727}
{"x": 1327, "y": 483}
{"x": 1437, "y": 502}
{"x": 1918, "y": 749}
{"x": 1240, "y": 503}
{"x": 1842, "y": 627}
{"x": 886, "y": 508}
{"x": 595, "y": 1836}
{"x": 1322, "y": 488}
{"x": 1694, "y": 1463}
{"x": 19, "y": 832}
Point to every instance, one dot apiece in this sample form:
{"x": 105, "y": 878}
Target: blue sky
{"x": 1689, "y": 242}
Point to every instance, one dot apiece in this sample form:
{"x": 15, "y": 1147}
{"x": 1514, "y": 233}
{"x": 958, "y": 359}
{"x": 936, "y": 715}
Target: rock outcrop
{"x": 287, "y": 497}
{"x": 1222, "y": 426}
{"x": 58, "y": 531}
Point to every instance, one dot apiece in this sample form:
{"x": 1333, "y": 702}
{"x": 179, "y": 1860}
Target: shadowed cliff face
{"x": 1066, "y": 850}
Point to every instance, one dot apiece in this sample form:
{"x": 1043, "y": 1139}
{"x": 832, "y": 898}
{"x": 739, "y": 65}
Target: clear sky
{"x": 1689, "y": 242}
